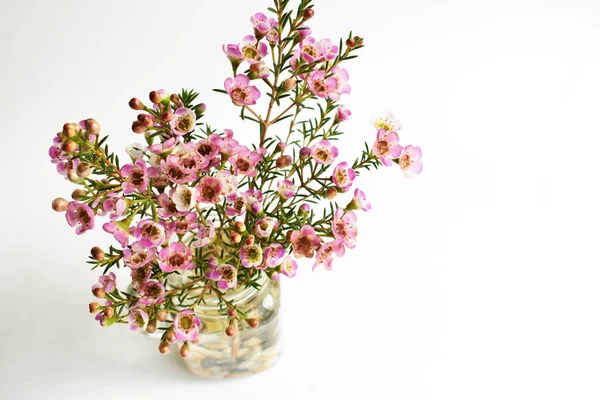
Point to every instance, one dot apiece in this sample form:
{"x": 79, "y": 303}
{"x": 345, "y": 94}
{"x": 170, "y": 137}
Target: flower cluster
{"x": 201, "y": 204}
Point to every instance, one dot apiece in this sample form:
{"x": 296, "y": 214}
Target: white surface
{"x": 476, "y": 280}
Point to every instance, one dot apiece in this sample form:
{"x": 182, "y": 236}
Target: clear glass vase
{"x": 250, "y": 350}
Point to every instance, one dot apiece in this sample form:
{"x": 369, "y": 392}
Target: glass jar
{"x": 249, "y": 350}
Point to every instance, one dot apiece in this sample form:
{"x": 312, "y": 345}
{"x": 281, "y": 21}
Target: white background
{"x": 477, "y": 279}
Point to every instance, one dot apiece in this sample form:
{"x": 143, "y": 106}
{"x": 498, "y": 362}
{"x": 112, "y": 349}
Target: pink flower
{"x": 410, "y": 161}
{"x": 321, "y": 86}
{"x": 236, "y": 205}
{"x": 385, "y": 121}
{"x": 343, "y": 176}
{"x": 120, "y": 233}
{"x": 305, "y": 241}
{"x": 186, "y": 325}
{"x": 330, "y": 50}
{"x": 186, "y": 224}
{"x": 167, "y": 208}
{"x": 234, "y": 55}
{"x": 273, "y": 254}
{"x": 259, "y": 70}
{"x": 340, "y": 75}
{"x": 227, "y": 276}
{"x": 252, "y": 50}
{"x": 139, "y": 276}
{"x": 227, "y": 144}
{"x": 289, "y": 266}
{"x": 251, "y": 255}
{"x": 310, "y": 49}
{"x": 304, "y": 31}
{"x": 386, "y": 147}
{"x": 273, "y": 35}
{"x": 244, "y": 161}
{"x": 204, "y": 235}
{"x": 115, "y": 205}
{"x": 359, "y": 202}
{"x": 80, "y": 216}
{"x": 150, "y": 233}
{"x": 176, "y": 174}
{"x": 209, "y": 149}
{"x": 326, "y": 252}
{"x": 209, "y": 190}
{"x": 107, "y": 282}
{"x": 136, "y": 177}
{"x": 324, "y": 152}
{"x": 286, "y": 189}
{"x": 163, "y": 147}
{"x": 342, "y": 114}
{"x": 137, "y": 319}
{"x": 175, "y": 257}
{"x": 183, "y": 197}
{"x": 344, "y": 227}
{"x": 183, "y": 122}
{"x": 240, "y": 92}
{"x": 261, "y": 24}
{"x": 187, "y": 159}
{"x": 265, "y": 226}
{"x": 153, "y": 292}
{"x": 138, "y": 255}
{"x": 254, "y": 200}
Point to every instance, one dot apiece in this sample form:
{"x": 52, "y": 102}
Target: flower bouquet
{"x": 205, "y": 223}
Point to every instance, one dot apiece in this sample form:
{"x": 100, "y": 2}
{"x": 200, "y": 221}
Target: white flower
{"x": 386, "y": 121}
{"x": 183, "y": 197}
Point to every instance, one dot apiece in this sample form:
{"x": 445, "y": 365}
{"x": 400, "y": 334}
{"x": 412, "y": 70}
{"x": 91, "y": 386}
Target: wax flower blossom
{"x": 240, "y": 91}
{"x": 198, "y": 215}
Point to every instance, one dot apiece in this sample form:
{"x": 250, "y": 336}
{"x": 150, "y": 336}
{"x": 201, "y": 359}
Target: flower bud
{"x": 290, "y": 84}
{"x": 250, "y": 240}
{"x": 72, "y": 176}
{"x": 164, "y": 347}
{"x": 145, "y": 120}
{"x": 288, "y": 236}
{"x": 92, "y": 126}
{"x": 331, "y": 193}
{"x": 304, "y": 208}
{"x": 236, "y": 237}
{"x": 202, "y": 107}
{"x": 275, "y": 277}
{"x": 154, "y": 97}
{"x": 69, "y": 129}
{"x": 136, "y": 104}
{"x": 109, "y": 312}
{"x": 59, "y": 204}
{"x": 161, "y": 315}
{"x": 230, "y": 331}
{"x": 151, "y": 328}
{"x": 98, "y": 292}
{"x": 171, "y": 337}
{"x": 240, "y": 226}
{"x": 308, "y": 14}
{"x": 69, "y": 146}
{"x": 350, "y": 43}
{"x": 253, "y": 322}
{"x": 281, "y": 146}
{"x": 358, "y": 40}
{"x": 283, "y": 161}
{"x": 138, "y": 127}
{"x": 175, "y": 99}
{"x": 84, "y": 170}
{"x": 97, "y": 253}
{"x": 78, "y": 194}
{"x": 185, "y": 351}
{"x": 231, "y": 312}
{"x": 94, "y": 307}
{"x": 304, "y": 152}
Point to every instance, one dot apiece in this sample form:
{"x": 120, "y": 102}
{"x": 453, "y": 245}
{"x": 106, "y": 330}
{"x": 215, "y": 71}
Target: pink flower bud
{"x": 304, "y": 208}
{"x": 161, "y": 315}
{"x": 109, "y": 312}
{"x": 230, "y": 331}
{"x": 92, "y": 126}
{"x": 98, "y": 292}
{"x": 331, "y": 193}
{"x": 94, "y": 307}
{"x": 290, "y": 84}
{"x": 97, "y": 253}
{"x": 164, "y": 347}
{"x": 136, "y": 104}
{"x": 305, "y": 152}
{"x": 145, "y": 120}
{"x": 283, "y": 161}
{"x": 185, "y": 351}
{"x": 308, "y": 13}
{"x": 69, "y": 146}
{"x": 78, "y": 194}
{"x": 59, "y": 204}
{"x": 138, "y": 127}
{"x": 253, "y": 322}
